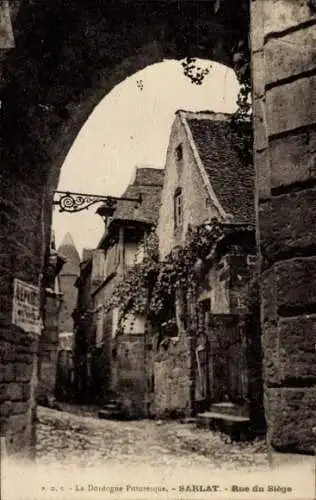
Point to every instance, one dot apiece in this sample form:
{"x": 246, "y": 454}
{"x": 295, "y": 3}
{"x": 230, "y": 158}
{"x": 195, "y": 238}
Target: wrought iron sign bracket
{"x": 76, "y": 202}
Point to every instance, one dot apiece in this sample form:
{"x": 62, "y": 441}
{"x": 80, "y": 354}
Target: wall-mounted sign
{"x": 26, "y": 307}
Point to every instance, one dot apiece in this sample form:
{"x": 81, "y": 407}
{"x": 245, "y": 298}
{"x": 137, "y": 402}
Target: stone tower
{"x": 67, "y": 277}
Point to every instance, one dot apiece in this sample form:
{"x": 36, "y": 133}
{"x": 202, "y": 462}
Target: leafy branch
{"x": 150, "y": 288}
{"x": 241, "y": 119}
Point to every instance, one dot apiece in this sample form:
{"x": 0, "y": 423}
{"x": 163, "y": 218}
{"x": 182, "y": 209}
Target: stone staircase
{"x": 226, "y": 417}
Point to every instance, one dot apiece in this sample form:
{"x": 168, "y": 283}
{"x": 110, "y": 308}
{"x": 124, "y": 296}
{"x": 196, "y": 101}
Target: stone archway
{"x": 67, "y": 56}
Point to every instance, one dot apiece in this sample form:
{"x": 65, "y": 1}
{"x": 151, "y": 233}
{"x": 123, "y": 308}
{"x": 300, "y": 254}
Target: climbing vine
{"x": 150, "y": 288}
{"x": 132, "y": 291}
{"x": 241, "y": 120}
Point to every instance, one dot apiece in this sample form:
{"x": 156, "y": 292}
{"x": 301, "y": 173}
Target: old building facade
{"x": 202, "y": 165}
{"x": 112, "y": 354}
{"x": 49, "y": 340}
{"x": 207, "y": 180}
{"x": 67, "y": 278}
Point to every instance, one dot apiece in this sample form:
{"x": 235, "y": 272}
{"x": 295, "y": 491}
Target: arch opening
{"x": 131, "y": 126}
{"x": 67, "y": 57}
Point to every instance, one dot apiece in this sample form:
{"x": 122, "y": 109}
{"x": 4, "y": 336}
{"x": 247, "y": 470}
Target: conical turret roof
{"x": 67, "y": 249}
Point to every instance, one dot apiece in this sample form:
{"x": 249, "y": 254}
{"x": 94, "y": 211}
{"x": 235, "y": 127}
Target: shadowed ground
{"x": 65, "y": 438}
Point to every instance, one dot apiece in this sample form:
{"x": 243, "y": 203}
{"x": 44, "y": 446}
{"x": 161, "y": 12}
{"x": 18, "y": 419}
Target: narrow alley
{"x": 82, "y": 456}
{"x": 81, "y": 439}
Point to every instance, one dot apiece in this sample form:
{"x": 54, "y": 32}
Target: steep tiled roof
{"x": 231, "y": 179}
{"x": 148, "y": 183}
{"x": 148, "y": 176}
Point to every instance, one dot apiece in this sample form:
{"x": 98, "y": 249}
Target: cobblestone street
{"x": 68, "y": 438}
{"x": 82, "y": 457}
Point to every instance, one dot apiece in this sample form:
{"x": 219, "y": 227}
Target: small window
{"x": 178, "y": 208}
{"x": 179, "y": 152}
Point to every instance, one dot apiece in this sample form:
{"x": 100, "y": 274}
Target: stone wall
{"x": 65, "y": 389}
{"x": 283, "y": 37}
{"x": 37, "y": 132}
{"x": 48, "y": 348}
{"x": 173, "y": 378}
{"x": 130, "y": 374}
{"x": 182, "y": 174}
{"x": 102, "y": 354}
{"x": 36, "y": 143}
{"x": 70, "y": 292}
{"x": 22, "y": 244}
{"x": 227, "y": 284}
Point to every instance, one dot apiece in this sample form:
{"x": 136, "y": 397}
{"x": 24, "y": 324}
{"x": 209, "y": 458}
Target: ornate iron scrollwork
{"x": 76, "y": 202}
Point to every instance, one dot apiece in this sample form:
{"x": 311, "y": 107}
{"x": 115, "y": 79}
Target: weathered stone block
{"x": 289, "y": 350}
{"x": 260, "y": 124}
{"x": 14, "y": 392}
{"x": 25, "y": 339}
{"x": 287, "y": 224}
{"x": 268, "y": 296}
{"x": 11, "y": 334}
{"x": 297, "y": 339}
{"x": 279, "y": 15}
{"x": 295, "y": 283}
{"x": 6, "y": 408}
{"x": 7, "y": 352}
{"x": 23, "y": 372}
{"x": 293, "y": 158}
{"x": 25, "y": 267}
{"x": 290, "y": 55}
{"x": 172, "y": 378}
{"x": 5, "y": 307}
{"x": 257, "y": 25}
{"x": 7, "y": 372}
{"x": 270, "y": 347}
{"x": 291, "y": 416}
{"x": 258, "y": 71}
{"x": 20, "y": 408}
{"x": 291, "y": 105}
{"x": 25, "y": 358}
{"x": 7, "y": 263}
{"x": 26, "y": 392}
{"x": 262, "y": 164}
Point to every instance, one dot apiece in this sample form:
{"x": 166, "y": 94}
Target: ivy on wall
{"x": 152, "y": 287}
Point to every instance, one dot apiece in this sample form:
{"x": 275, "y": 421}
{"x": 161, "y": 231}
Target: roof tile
{"x": 232, "y": 180}
{"x": 148, "y": 183}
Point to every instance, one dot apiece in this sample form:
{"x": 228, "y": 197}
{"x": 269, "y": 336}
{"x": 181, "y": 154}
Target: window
{"x": 179, "y": 152}
{"x": 112, "y": 259}
{"x": 178, "y": 209}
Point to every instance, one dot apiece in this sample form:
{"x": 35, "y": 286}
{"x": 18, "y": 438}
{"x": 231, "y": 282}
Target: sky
{"x": 129, "y": 127}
